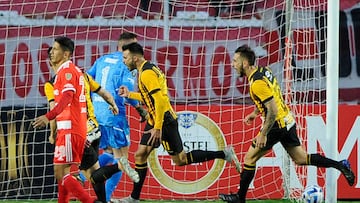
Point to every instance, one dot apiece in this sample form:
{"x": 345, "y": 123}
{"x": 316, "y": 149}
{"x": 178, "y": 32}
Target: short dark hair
{"x": 247, "y": 52}
{"x": 127, "y": 35}
{"x": 66, "y": 44}
{"x": 134, "y": 48}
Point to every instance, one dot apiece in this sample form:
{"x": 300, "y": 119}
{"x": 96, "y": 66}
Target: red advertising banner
{"x": 268, "y": 181}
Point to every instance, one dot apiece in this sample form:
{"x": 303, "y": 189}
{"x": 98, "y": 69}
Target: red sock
{"x": 73, "y": 186}
{"x": 63, "y": 194}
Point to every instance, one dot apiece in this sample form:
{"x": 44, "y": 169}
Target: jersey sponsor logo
{"x": 111, "y": 60}
{"x": 198, "y": 132}
{"x": 68, "y": 76}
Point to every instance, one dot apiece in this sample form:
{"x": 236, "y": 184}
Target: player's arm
{"x": 64, "y": 101}
{"x": 251, "y": 117}
{"x": 96, "y": 88}
{"x": 49, "y": 93}
{"x": 151, "y": 82}
{"x": 263, "y": 91}
{"x": 128, "y": 80}
{"x": 109, "y": 99}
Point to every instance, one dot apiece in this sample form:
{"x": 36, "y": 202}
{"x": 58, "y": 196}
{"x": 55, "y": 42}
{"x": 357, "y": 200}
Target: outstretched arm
{"x": 109, "y": 99}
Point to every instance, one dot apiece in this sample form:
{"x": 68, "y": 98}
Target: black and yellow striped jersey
{"x": 90, "y": 86}
{"x": 263, "y": 88}
{"x": 153, "y": 91}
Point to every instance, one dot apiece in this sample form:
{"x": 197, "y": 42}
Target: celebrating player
{"x": 162, "y": 125}
{"x": 278, "y": 125}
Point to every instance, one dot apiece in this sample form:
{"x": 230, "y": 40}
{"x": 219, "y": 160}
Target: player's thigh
{"x": 254, "y": 154}
{"x": 298, "y": 154}
{"x": 171, "y": 140}
{"x": 179, "y": 158}
{"x": 142, "y": 153}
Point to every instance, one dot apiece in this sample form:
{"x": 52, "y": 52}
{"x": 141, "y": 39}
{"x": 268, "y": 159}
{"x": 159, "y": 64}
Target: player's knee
{"x": 249, "y": 160}
{"x": 300, "y": 161}
{"x": 140, "y": 157}
{"x": 180, "y": 162}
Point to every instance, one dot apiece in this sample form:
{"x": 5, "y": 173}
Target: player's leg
{"x": 300, "y": 157}
{"x": 89, "y": 164}
{"x": 108, "y": 159}
{"x": 141, "y": 166}
{"x": 247, "y": 175}
{"x": 75, "y": 143}
{"x": 174, "y": 146}
{"x": 120, "y": 145}
{"x": 293, "y": 146}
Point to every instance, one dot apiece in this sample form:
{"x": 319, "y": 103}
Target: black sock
{"x": 247, "y": 175}
{"x": 99, "y": 189}
{"x": 321, "y": 161}
{"x": 197, "y": 156}
{"x": 103, "y": 173}
{"x": 142, "y": 170}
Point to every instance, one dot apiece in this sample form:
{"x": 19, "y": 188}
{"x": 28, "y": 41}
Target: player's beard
{"x": 241, "y": 72}
{"x": 132, "y": 66}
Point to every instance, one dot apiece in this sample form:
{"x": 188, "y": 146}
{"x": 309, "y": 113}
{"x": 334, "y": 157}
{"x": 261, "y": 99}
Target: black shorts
{"x": 90, "y": 156}
{"x": 287, "y": 138}
{"x": 171, "y": 139}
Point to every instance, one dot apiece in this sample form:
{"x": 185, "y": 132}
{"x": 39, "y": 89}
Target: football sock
{"x": 99, "y": 189}
{"x": 142, "y": 170}
{"x": 197, "y": 156}
{"x": 63, "y": 194}
{"x": 104, "y": 173}
{"x": 82, "y": 176}
{"x": 247, "y": 175}
{"x": 112, "y": 183}
{"x": 73, "y": 186}
{"x": 321, "y": 161}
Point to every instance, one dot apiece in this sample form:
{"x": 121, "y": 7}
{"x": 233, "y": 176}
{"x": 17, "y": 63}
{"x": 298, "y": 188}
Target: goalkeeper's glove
{"x": 92, "y": 135}
{"x": 143, "y": 113}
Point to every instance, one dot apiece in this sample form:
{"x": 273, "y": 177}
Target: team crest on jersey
{"x": 68, "y": 76}
{"x": 186, "y": 120}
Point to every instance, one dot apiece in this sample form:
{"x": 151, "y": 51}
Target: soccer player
{"x": 278, "y": 125}
{"x": 111, "y": 73}
{"x": 162, "y": 124}
{"x": 89, "y": 164}
{"x": 70, "y": 113}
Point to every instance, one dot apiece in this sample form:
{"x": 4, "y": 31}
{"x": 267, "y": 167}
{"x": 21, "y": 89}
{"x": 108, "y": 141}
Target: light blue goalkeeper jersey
{"x": 110, "y": 72}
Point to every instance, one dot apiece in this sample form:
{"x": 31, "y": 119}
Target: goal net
{"x": 193, "y": 43}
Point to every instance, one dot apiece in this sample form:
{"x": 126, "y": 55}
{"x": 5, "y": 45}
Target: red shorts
{"x": 69, "y": 148}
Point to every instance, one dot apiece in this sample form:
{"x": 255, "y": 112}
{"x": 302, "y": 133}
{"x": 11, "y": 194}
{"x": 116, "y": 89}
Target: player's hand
{"x": 51, "y": 138}
{"x": 40, "y": 122}
{"x": 143, "y": 113}
{"x": 155, "y": 137}
{"x": 260, "y": 141}
{"x": 114, "y": 109}
{"x": 124, "y": 91}
{"x": 249, "y": 118}
{"x": 87, "y": 143}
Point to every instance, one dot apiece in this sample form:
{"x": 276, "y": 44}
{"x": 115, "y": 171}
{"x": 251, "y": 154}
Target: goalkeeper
{"x": 89, "y": 166}
{"x": 111, "y": 73}
{"x": 278, "y": 125}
